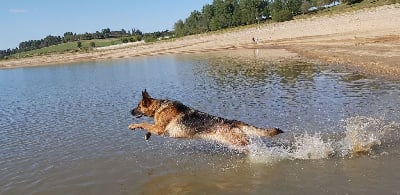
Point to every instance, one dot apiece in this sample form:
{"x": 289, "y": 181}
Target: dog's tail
{"x": 268, "y": 132}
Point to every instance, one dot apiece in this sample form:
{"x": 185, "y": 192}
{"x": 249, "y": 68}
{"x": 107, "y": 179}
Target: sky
{"x": 23, "y": 20}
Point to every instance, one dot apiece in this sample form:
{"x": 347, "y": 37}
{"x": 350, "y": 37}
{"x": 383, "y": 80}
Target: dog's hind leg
{"x": 236, "y": 139}
{"x": 228, "y": 137}
{"x": 268, "y": 132}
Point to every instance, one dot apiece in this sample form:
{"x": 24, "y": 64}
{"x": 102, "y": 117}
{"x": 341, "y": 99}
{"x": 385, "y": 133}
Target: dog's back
{"x": 191, "y": 123}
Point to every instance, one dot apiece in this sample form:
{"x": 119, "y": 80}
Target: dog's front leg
{"x": 148, "y": 127}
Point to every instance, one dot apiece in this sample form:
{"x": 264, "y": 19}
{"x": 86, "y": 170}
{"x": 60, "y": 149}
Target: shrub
{"x": 135, "y": 38}
{"x": 349, "y": 2}
{"x": 282, "y": 15}
{"x": 149, "y": 39}
{"x": 92, "y": 44}
{"x": 124, "y": 40}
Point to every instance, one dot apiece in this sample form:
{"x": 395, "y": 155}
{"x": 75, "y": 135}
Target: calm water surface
{"x": 63, "y": 129}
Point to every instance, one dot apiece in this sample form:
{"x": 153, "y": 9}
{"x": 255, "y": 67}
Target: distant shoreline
{"x": 366, "y": 39}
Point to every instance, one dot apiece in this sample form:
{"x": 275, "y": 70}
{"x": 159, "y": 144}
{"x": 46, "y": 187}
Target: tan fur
{"x": 174, "y": 119}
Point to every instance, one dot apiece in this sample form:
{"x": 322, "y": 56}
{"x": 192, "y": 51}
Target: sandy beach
{"x": 367, "y": 39}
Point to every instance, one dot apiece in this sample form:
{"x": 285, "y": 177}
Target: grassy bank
{"x": 68, "y": 47}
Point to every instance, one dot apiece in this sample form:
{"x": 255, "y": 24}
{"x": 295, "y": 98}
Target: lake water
{"x": 63, "y": 129}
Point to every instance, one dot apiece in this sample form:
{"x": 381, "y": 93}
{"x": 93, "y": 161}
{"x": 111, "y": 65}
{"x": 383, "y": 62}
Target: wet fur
{"x": 174, "y": 119}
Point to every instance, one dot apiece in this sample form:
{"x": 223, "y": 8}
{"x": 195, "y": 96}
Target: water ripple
{"x": 55, "y": 118}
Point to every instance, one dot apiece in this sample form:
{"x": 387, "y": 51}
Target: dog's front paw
{"x": 133, "y": 126}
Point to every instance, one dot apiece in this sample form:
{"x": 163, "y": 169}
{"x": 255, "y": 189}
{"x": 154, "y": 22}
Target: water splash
{"x": 311, "y": 147}
{"x": 361, "y": 136}
{"x": 303, "y": 146}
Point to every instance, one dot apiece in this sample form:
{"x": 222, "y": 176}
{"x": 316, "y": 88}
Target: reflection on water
{"x": 64, "y": 128}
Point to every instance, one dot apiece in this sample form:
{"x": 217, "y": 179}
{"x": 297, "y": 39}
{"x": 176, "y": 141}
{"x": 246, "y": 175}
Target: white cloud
{"x": 17, "y": 11}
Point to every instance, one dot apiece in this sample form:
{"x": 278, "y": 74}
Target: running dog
{"x": 174, "y": 119}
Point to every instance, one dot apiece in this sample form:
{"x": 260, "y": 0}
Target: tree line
{"x": 232, "y": 13}
{"x": 218, "y": 15}
{"x": 69, "y": 37}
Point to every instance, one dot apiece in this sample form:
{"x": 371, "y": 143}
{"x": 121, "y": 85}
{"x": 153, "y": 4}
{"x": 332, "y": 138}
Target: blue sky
{"x": 23, "y": 20}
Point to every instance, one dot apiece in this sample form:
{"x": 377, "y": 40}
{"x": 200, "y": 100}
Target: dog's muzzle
{"x": 136, "y": 113}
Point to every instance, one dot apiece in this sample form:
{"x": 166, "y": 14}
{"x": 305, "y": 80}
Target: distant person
{"x": 255, "y": 40}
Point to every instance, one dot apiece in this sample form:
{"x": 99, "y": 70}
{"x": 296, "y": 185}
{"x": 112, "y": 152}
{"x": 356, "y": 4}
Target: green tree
{"x": 249, "y": 11}
{"x": 294, "y": 6}
{"x": 207, "y": 13}
{"x": 179, "y": 28}
{"x": 193, "y": 24}
{"x": 282, "y": 10}
{"x": 237, "y": 16}
{"x": 106, "y": 32}
{"x": 50, "y": 40}
{"x": 68, "y": 37}
{"x": 87, "y": 36}
{"x": 98, "y": 35}
{"x": 223, "y": 14}
{"x": 282, "y": 15}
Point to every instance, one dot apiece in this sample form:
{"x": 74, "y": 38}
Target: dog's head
{"x": 146, "y": 107}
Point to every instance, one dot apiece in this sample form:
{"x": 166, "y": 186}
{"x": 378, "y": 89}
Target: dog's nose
{"x": 136, "y": 113}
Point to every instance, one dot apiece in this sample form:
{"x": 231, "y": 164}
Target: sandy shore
{"x": 367, "y": 39}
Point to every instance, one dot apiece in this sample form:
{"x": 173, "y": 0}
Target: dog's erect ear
{"x": 145, "y": 95}
{"x": 146, "y": 98}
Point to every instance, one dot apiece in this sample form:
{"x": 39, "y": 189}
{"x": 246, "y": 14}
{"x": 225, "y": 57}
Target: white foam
{"x": 304, "y": 146}
{"x": 311, "y": 147}
{"x": 260, "y": 153}
{"x": 360, "y": 135}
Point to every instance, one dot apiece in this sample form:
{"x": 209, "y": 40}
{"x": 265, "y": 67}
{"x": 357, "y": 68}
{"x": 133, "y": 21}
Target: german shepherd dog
{"x": 174, "y": 119}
